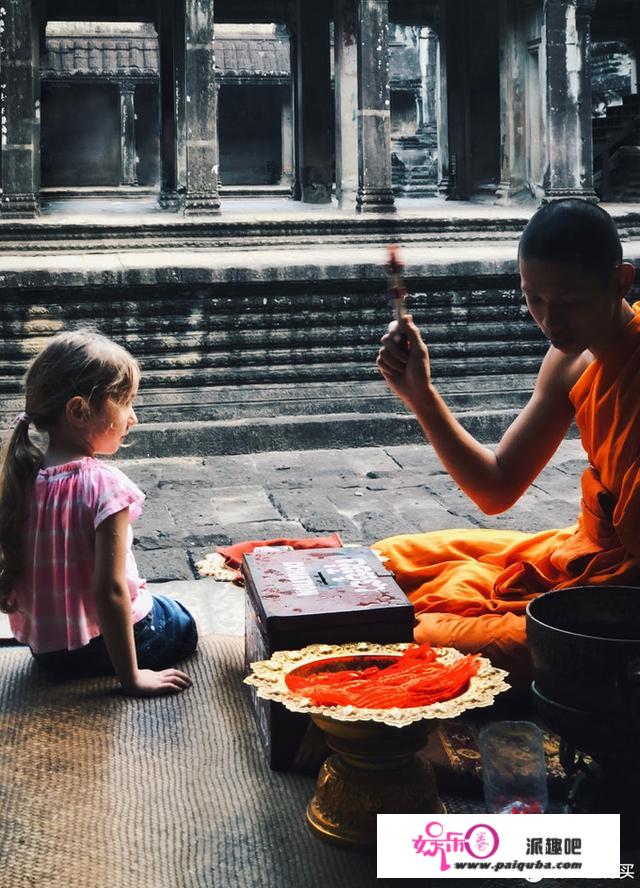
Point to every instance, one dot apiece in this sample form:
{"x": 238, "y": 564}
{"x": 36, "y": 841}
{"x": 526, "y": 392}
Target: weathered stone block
{"x": 199, "y": 24}
{"x": 266, "y": 530}
{"x": 160, "y": 565}
{"x": 245, "y": 505}
{"x": 377, "y": 525}
{"x": 17, "y": 172}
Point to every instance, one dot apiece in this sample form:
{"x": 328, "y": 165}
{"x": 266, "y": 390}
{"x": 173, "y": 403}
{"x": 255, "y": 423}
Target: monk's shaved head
{"x": 573, "y": 232}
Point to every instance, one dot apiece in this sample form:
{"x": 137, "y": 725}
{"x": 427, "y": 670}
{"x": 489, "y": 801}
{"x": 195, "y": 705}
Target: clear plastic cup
{"x": 514, "y": 773}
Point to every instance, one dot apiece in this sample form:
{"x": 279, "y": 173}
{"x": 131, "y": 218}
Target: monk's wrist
{"x": 425, "y": 403}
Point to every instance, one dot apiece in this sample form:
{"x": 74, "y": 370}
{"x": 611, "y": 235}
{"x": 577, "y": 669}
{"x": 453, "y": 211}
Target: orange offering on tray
{"x": 416, "y": 679}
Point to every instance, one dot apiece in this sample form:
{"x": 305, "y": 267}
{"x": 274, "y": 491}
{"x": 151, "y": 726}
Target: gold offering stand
{"x": 374, "y": 768}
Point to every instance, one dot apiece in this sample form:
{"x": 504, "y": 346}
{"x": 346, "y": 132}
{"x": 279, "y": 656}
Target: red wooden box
{"x": 303, "y": 597}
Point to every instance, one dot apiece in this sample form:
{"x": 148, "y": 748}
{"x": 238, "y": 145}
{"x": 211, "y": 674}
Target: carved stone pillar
{"x": 428, "y": 53}
{"x": 442, "y": 111}
{"x": 375, "y": 193}
{"x": 566, "y": 46}
{"x": 21, "y": 110}
{"x": 171, "y": 38}
{"x": 513, "y": 124}
{"x": 346, "y": 91}
{"x": 201, "y": 126}
{"x": 417, "y": 97}
{"x": 128, "y": 174}
{"x": 286, "y": 135}
{"x": 296, "y": 190}
{"x": 313, "y": 105}
{"x": 634, "y": 41}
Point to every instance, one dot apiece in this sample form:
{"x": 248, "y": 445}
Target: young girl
{"x": 68, "y": 579}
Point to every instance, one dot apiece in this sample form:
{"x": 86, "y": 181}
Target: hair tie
{"x": 22, "y": 417}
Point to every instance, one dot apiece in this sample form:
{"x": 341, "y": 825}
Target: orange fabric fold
{"x": 470, "y": 588}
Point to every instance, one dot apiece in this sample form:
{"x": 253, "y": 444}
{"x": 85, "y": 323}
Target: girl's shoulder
{"x": 74, "y": 467}
{"x": 97, "y": 488}
{"x": 85, "y": 466}
{"x": 88, "y": 473}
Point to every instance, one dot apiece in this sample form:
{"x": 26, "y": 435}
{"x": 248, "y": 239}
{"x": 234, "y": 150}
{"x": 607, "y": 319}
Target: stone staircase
{"x": 419, "y": 181}
{"x": 262, "y": 334}
{"x": 413, "y": 169}
{"x": 616, "y": 151}
{"x": 285, "y": 365}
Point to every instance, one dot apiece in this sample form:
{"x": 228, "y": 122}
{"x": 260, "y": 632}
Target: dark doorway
{"x": 250, "y": 134}
{"x": 80, "y": 134}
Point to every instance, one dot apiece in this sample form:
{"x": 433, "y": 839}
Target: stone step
{"x": 464, "y": 365}
{"x": 624, "y": 178}
{"x": 302, "y": 432}
{"x": 240, "y": 345}
{"x": 163, "y": 231}
{"x": 365, "y": 397}
{"x": 416, "y": 191}
{"x": 241, "y": 351}
{"x": 420, "y": 174}
{"x": 140, "y": 241}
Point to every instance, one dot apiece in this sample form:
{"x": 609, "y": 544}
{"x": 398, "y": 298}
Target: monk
{"x": 470, "y": 588}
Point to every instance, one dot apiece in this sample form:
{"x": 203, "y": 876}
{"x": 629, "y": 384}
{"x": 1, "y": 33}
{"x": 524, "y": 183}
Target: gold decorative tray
{"x": 269, "y": 679}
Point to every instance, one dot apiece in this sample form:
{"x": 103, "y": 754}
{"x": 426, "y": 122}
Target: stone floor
{"x": 365, "y": 494}
{"x": 257, "y": 204}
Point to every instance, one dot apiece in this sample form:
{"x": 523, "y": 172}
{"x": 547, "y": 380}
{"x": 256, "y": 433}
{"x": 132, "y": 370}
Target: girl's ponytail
{"x": 20, "y": 464}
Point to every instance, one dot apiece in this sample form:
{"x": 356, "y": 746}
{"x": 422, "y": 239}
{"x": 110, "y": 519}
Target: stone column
{"x": 128, "y": 175}
{"x": 201, "y": 126}
{"x": 428, "y": 54}
{"x": 21, "y": 110}
{"x": 296, "y": 190}
{"x": 167, "y": 26}
{"x": 566, "y": 48}
{"x": 346, "y": 92}
{"x": 375, "y": 193}
{"x": 634, "y": 41}
{"x": 313, "y": 102}
{"x": 419, "y": 110}
{"x": 513, "y": 124}
{"x": 286, "y": 135}
{"x": 442, "y": 114}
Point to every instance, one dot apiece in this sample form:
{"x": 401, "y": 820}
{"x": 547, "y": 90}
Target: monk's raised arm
{"x": 494, "y": 480}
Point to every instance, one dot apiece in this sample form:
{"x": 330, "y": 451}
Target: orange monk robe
{"x": 470, "y": 588}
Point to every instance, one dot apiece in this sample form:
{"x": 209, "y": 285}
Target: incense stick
{"x": 397, "y": 288}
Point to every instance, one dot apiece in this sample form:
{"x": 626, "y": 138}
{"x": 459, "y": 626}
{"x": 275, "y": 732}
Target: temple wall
{"x": 278, "y": 332}
{"x": 219, "y": 352}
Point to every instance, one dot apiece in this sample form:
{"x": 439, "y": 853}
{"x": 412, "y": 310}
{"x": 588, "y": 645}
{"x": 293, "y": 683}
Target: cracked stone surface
{"x": 366, "y": 494}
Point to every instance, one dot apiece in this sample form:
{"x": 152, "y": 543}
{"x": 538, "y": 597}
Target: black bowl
{"x": 585, "y": 648}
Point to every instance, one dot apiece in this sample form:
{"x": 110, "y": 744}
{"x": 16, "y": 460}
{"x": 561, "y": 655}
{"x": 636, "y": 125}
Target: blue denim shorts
{"x": 166, "y": 635}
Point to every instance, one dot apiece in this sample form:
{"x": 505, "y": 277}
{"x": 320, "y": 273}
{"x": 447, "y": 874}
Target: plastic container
{"x": 514, "y": 772}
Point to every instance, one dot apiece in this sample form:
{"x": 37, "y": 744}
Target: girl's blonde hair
{"x": 76, "y": 363}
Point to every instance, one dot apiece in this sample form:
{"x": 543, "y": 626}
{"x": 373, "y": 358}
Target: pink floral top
{"x": 56, "y": 607}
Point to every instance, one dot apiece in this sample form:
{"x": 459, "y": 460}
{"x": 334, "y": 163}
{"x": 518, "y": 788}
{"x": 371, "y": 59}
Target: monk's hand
{"x": 403, "y": 360}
